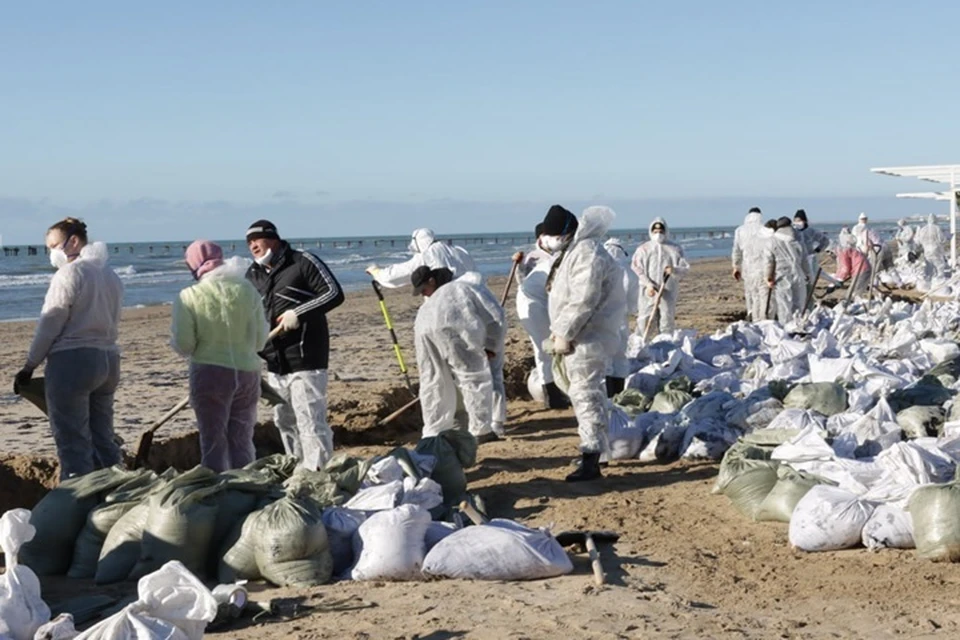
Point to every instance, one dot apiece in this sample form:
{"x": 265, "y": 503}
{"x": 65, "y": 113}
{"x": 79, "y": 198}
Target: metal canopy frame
{"x": 940, "y": 173}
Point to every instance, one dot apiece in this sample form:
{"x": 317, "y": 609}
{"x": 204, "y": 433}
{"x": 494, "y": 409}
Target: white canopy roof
{"x": 927, "y": 195}
{"x": 949, "y": 173}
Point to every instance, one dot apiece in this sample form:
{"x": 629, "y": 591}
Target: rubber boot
{"x": 589, "y": 469}
{"x": 556, "y": 399}
{"x": 614, "y": 386}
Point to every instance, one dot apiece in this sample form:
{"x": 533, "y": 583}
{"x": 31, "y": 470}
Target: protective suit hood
{"x": 422, "y": 238}
{"x": 666, "y": 229}
{"x": 234, "y": 268}
{"x": 594, "y": 222}
{"x": 750, "y": 218}
{"x": 615, "y": 248}
{"x": 95, "y": 252}
{"x": 931, "y": 219}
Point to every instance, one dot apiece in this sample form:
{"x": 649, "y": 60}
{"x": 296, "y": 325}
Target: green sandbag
{"x": 827, "y": 398}
{"x": 633, "y": 402}
{"x": 242, "y": 492}
{"x": 743, "y": 456}
{"x": 61, "y": 515}
{"x": 121, "y": 549}
{"x": 279, "y": 465}
{"x": 453, "y": 450}
{"x": 348, "y": 471}
{"x": 238, "y": 557}
{"x": 180, "y": 524}
{"x": 292, "y": 549}
{"x": 678, "y": 383}
{"x": 935, "y": 511}
{"x": 921, "y": 421}
{"x": 319, "y": 486}
{"x": 928, "y": 391}
{"x": 791, "y": 486}
{"x": 670, "y": 401}
{"x": 86, "y": 551}
{"x": 749, "y": 489}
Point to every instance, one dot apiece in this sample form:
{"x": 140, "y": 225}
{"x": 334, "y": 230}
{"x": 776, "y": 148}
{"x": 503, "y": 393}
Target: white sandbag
{"x": 754, "y": 413}
{"x": 426, "y": 493}
{"x": 500, "y": 550}
{"x": 625, "y": 439}
{"x": 436, "y": 532}
{"x": 393, "y": 544}
{"x": 798, "y": 419}
{"x": 889, "y": 527}
{"x": 384, "y": 471}
{"x": 806, "y": 446}
{"x": 787, "y": 350}
{"x": 377, "y": 498}
{"x": 707, "y": 440}
{"x": 173, "y": 605}
{"x": 342, "y": 525}
{"x": 828, "y": 519}
{"x": 60, "y": 628}
{"x": 22, "y": 609}
{"x": 939, "y": 349}
{"x": 829, "y": 369}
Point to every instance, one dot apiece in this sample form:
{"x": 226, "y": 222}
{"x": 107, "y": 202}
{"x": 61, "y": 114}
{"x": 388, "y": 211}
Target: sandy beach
{"x": 687, "y": 564}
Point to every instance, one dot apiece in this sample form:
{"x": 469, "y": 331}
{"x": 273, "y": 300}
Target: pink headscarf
{"x": 203, "y": 256}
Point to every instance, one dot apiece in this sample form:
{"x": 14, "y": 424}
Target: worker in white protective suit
{"x": 587, "y": 306}
{"x": 749, "y": 245}
{"x": 930, "y": 237}
{"x": 905, "y": 239}
{"x": 812, "y": 240}
{"x": 867, "y": 239}
{"x": 658, "y": 263}
{"x": 620, "y": 367}
{"x": 459, "y": 334}
{"x": 427, "y": 252}
{"x": 788, "y": 272}
{"x": 534, "y": 314}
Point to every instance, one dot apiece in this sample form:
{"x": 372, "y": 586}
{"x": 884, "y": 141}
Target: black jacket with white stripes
{"x": 300, "y": 281}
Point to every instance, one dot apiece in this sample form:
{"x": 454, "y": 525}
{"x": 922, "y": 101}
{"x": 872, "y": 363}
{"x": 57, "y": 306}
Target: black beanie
{"x": 559, "y": 222}
{"x": 262, "y": 229}
{"x": 538, "y": 230}
{"x": 800, "y": 214}
{"x": 784, "y": 221}
{"x": 754, "y": 210}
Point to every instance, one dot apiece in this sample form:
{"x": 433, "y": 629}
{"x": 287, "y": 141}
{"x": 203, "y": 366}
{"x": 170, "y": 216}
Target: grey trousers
{"x": 225, "y": 401}
{"x": 80, "y": 384}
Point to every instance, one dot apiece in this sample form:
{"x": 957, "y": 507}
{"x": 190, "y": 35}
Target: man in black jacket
{"x": 297, "y": 290}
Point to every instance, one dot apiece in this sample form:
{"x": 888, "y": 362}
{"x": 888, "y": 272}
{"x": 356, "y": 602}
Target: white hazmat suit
{"x": 905, "y": 238}
{"x": 620, "y": 367}
{"x": 587, "y": 307}
{"x": 749, "y": 247}
{"x": 427, "y": 251}
{"x": 787, "y": 266}
{"x": 533, "y": 308}
{"x": 454, "y": 330}
{"x": 930, "y": 237}
{"x": 649, "y": 263}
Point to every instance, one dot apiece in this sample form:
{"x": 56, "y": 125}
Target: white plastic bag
{"x": 22, "y": 609}
{"x": 828, "y": 519}
{"x": 393, "y": 544}
{"x": 60, "y": 628}
{"x": 173, "y": 605}
{"x": 377, "y": 497}
{"x": 500, "y": 550}
{"x": 889, "y": 527}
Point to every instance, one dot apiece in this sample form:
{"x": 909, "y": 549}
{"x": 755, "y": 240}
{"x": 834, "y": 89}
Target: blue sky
{"x": 338, "y": 118}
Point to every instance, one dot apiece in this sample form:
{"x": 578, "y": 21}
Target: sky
{"x": 181, "y": 119}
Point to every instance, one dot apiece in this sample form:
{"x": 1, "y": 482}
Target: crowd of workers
{"x": 576, "y": 292}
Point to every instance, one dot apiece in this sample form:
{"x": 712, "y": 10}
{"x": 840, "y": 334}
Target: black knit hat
{"x": 262, "y": 229}
{"x": 801, "y": 214}
{"x": 754, "y": 210}
{"x": 559, "y": 222}
{"x": 784, "y": 221}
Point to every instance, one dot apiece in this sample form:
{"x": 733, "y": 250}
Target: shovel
{"x": 589, "y": 539}
{"x": 510, "y": 278}
{"x": 656, "y": 308}
{"x": 34, "y": 392}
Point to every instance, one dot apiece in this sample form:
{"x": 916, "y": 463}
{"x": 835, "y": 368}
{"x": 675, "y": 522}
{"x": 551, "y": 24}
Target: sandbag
{"x": 748, "y": 490}
{"x": 935, "y": 512}
{"x": 238, "y": 555}
{"x": 393, "y": 544}
{"x": 928, "y": 392}
{"x": 102, "y": 518}
{"x": 707, "y": 440}
{"x": 60, "y": 516}
{"x": 180, "y": 524}
{"x": 500, "y": 550}
{"x": 828, "y": 398}
{"x": 342, "y": 525}
{"x": 625, "y": 439}
{"x": 921, "y": 421}
{"x": 828, "y": 519}
{"x": 750, "y": 452}
{"x": 22, "y": 609}
{"x": 889, "y": 527}
{"x": 436, "y": 532}
{"x": 756, "y": 412}
{"x": 121, "y": 548}
{"x": 670, "y": 401}
{"x": 454, "y": 450}
{"x": 172, "y": 604}
{"x": 291, "y": 547}
{"x": 783, "y": 498}
{"x": 633, "y": 402}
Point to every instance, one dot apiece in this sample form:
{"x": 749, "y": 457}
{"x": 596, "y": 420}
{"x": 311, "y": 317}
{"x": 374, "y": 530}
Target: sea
{"x": 154, "y": 272}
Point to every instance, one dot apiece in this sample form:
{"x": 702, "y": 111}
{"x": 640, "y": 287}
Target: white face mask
{"x": 657, "y": 236}
{"x": 553, "y": 244}
{"x": 264, "y": 260}
{"x": 58, "y": 258}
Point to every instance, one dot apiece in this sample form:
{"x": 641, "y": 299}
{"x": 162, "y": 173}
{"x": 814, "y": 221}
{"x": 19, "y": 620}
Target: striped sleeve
{"x": 329, "y": 295}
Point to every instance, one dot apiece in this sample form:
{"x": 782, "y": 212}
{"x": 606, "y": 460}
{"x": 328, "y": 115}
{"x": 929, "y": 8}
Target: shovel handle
{"x": 510, "y": 278}
{"x": 276, "y": 331}
{"x": 598, "y": 576}
{"x": 180, "y": 406}
{"x": 472, "y": 513}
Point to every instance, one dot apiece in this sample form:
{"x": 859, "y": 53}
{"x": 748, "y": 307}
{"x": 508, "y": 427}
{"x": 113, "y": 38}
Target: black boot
{"x": 614, "y": 386}
{"x": 556, "y": 399}
{"x": 589, "y": 468}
